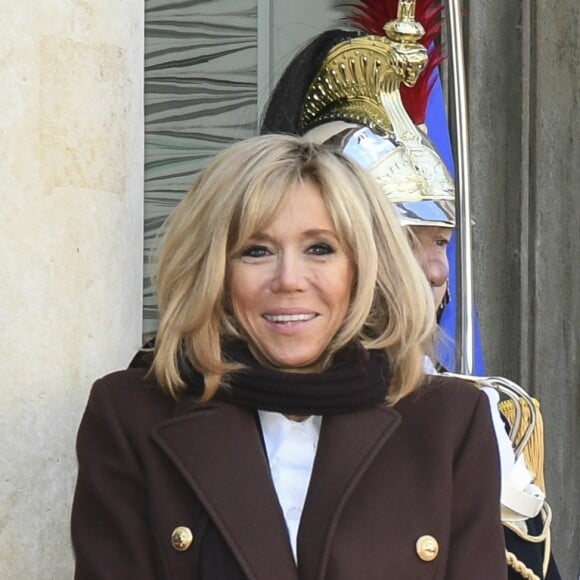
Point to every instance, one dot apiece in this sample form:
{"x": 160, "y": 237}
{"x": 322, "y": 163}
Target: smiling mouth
{"x": 289, "y": 318}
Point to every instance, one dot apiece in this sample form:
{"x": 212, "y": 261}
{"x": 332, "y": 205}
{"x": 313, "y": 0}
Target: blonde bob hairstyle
{"x": 238, "y": 196}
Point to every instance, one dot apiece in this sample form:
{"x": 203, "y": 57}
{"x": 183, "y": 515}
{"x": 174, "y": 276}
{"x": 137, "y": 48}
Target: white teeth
{"x": 288, "y": 317}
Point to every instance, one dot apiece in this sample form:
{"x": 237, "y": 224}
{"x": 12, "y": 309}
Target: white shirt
{"x": 291, "y": 449}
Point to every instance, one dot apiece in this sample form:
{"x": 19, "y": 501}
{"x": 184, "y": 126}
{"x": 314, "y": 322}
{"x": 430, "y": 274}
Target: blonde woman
{"x": 285, "y": 429}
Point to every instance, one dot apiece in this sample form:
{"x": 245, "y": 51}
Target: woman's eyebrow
{"x": 311, "y": 233}
{"x": 320, "y": 232}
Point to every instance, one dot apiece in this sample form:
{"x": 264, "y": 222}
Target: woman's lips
{"x": 290, "y": 318}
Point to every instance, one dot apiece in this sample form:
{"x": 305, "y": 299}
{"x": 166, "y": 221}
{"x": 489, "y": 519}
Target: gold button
{"x": 181, "y": 538}
{"x": 427, "y": 548}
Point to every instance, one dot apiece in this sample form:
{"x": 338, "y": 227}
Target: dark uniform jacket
{"x": 409, "y": 492}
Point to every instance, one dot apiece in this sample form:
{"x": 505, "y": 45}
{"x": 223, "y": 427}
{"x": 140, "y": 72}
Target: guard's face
{"x": 290, "y": 286}
{"x": 430, "y": 248}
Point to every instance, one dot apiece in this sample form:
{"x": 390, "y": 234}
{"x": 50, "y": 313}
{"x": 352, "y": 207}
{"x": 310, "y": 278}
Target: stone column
{"x": 71, "y": 220}
{"x": 524, "y": 84}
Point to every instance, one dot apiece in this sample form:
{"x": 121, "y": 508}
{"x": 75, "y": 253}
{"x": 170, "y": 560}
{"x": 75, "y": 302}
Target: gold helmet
{"x": 354, "y": 100}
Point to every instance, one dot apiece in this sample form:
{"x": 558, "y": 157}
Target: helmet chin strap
{"x": 444, "y": 302}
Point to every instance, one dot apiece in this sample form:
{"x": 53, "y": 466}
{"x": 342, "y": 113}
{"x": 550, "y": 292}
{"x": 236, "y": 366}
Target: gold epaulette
{"x": 533, "y": 450}
{"x": 526, "y": 426}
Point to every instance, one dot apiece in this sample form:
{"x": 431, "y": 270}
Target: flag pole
{"x": 460, "y": 134}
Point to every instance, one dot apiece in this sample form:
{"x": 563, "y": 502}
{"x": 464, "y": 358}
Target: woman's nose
{"x": 290, "y": 275}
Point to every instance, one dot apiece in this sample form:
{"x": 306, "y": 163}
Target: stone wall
{"x": 71, "y": 207}
{"x": 524, "y": 89}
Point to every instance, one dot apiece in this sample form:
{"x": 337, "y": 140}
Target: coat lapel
{"x": 218, "y": 450}
{"x": 347, "y": 447}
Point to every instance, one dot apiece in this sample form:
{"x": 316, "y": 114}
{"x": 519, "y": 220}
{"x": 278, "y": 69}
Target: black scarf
{"x": 357, "y": 379}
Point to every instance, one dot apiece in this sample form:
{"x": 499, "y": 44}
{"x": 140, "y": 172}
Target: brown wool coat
{"x": 382, "y": 478}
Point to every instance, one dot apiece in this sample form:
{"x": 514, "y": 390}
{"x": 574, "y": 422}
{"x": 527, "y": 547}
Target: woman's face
{"x": 290, "y": 285}
{"x": 431, "y": 251}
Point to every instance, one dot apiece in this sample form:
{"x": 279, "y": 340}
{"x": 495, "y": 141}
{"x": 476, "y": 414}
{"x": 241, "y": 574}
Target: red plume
{"x": 372, "y": 15}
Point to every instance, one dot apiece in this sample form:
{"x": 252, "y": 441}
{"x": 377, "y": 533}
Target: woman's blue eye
{"x": 255, "y": 252}
{"x": 321, "y": 249}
